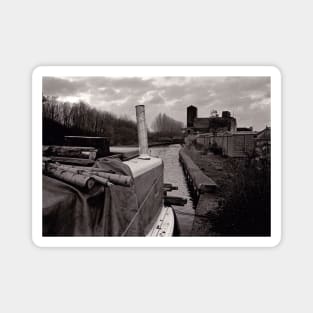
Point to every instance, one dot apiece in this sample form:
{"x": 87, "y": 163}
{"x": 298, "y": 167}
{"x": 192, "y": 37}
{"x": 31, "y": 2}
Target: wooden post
{"x": 142, "y": 132}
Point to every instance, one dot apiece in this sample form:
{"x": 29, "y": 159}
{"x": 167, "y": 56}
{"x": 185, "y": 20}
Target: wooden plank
{"x": 115, "y": 156}
{"x": 202, "y": 182}
{"x": 66, "y": 151}
{"x": 169, "y": 200}
{"x": 118, "y": 179}
{"x": 102, "y": 144}
{"x": 126, "y": 153}
{"x": 73, "y": 161}
{"x": 75, "y": 179}
{"x": 169, "y": 187}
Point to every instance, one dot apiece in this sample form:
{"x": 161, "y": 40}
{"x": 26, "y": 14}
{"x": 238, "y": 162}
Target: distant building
{"x": 222, "y": 132}
{"x": 212, "y": 124}
{"x": 232, "y": 144}
{"x": 263, "y": 143}
{"x": 192, "y": 114}
{"x": 239, "y": 143}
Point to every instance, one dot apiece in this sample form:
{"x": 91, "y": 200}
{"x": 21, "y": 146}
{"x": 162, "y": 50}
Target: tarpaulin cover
{"x": 103, "y": 211}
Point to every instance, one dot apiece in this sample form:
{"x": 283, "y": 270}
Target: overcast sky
{"x": 248, "y": 98}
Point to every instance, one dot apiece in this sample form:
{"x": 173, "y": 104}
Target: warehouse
{"x": 232, "y": 144}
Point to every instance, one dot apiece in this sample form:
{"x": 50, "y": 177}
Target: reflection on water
{"x": 173, "y": 174}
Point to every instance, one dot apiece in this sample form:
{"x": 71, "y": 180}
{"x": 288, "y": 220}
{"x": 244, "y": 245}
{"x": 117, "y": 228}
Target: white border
{"x": 133, "y": 71}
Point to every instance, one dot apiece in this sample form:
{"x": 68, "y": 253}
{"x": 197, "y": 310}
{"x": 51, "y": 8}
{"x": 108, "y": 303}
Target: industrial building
{"x": 232, "y": 144}
{"x": 212, "y": 124}
{"x": 222, "y": 132}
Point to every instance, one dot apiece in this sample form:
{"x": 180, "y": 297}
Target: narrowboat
{"x": 88, "y": 196}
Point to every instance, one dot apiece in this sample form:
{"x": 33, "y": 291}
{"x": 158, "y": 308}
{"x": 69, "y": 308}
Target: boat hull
{"x": 164, "y": 225}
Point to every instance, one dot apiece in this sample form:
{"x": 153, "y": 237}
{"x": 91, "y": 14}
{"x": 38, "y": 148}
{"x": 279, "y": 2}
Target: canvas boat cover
{"x": 104, "y": 210}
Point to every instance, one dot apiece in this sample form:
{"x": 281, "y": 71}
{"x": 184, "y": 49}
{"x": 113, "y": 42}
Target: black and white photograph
{"x": 156, "y": 156}
{"x": 183, "y": 153}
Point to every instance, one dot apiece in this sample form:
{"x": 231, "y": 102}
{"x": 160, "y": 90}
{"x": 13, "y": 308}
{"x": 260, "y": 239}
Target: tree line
{"x": 80, "y": 119}
{"x": 64, "y": 119}
{"x": 166, "y": 126}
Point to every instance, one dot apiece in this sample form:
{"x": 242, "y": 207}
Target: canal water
{"x": 173, "y": 174}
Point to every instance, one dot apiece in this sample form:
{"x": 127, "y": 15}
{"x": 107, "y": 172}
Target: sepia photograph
{"x": 156, "y": 156}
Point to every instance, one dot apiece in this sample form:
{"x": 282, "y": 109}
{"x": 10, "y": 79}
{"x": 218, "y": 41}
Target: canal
{"x": 173, "y": 174}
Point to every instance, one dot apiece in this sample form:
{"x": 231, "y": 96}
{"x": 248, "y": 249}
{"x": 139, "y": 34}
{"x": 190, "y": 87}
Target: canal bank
{"x": 173, "y": 174}
{"x": 204, "y": 194}
{"x": 197, "y": 216}
{"x": 240, "y": 205}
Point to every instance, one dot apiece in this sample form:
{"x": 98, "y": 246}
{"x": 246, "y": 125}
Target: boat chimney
{"x": 142, "y": 132}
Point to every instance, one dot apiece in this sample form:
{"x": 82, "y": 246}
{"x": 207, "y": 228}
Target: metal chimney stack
{"x": 142, "y": 132}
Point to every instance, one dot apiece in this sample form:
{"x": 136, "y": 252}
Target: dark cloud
{"x": 248, "y": 98}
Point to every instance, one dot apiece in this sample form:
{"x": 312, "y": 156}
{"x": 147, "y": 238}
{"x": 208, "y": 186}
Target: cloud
{"x": 63, "y": 86}
{"x": 248, "y": 98}
{"x": 155, "y": 99}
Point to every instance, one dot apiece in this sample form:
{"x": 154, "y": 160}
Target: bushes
{"x": 216, "y": 149}
{"x": 247, "y": 201}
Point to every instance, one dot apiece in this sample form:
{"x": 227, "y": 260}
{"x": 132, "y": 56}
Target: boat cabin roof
{"x": 140, "y": 166}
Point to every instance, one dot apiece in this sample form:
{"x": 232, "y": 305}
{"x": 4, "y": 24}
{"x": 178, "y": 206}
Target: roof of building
{"x": 192, "y": 106}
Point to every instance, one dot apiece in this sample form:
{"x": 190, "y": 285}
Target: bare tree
{"x": 165, "y": 125}
{"x": 81, "y": 119}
